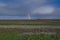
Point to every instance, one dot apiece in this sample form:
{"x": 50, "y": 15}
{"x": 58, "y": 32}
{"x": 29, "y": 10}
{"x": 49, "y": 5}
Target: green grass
{"x": 31, "y": 23}
{"x": 35, "y": 24}
{"x": 18, "y": 36}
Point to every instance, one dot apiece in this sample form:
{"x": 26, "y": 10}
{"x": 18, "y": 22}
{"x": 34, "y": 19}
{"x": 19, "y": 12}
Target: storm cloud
{"x": 37, "y": 9}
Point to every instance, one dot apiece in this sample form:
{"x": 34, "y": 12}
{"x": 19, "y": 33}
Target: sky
{"x": 29, "y": 9}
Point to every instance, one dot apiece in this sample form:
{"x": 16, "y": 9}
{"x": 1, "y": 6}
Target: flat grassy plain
{"x": 31, "y": 22}
{"x": 15, "y": 36}
{"x": 19, "y": 34}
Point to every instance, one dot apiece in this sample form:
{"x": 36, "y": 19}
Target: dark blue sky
{"x": 29, "y": 9}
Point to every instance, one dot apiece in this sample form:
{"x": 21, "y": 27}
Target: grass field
{"x": 18, "y": 33}
{"x": 47, "y": 24}
{"x": 33, "y": 24}
{"x": 30, "y": 22}
{"x": 18, "y": 36}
